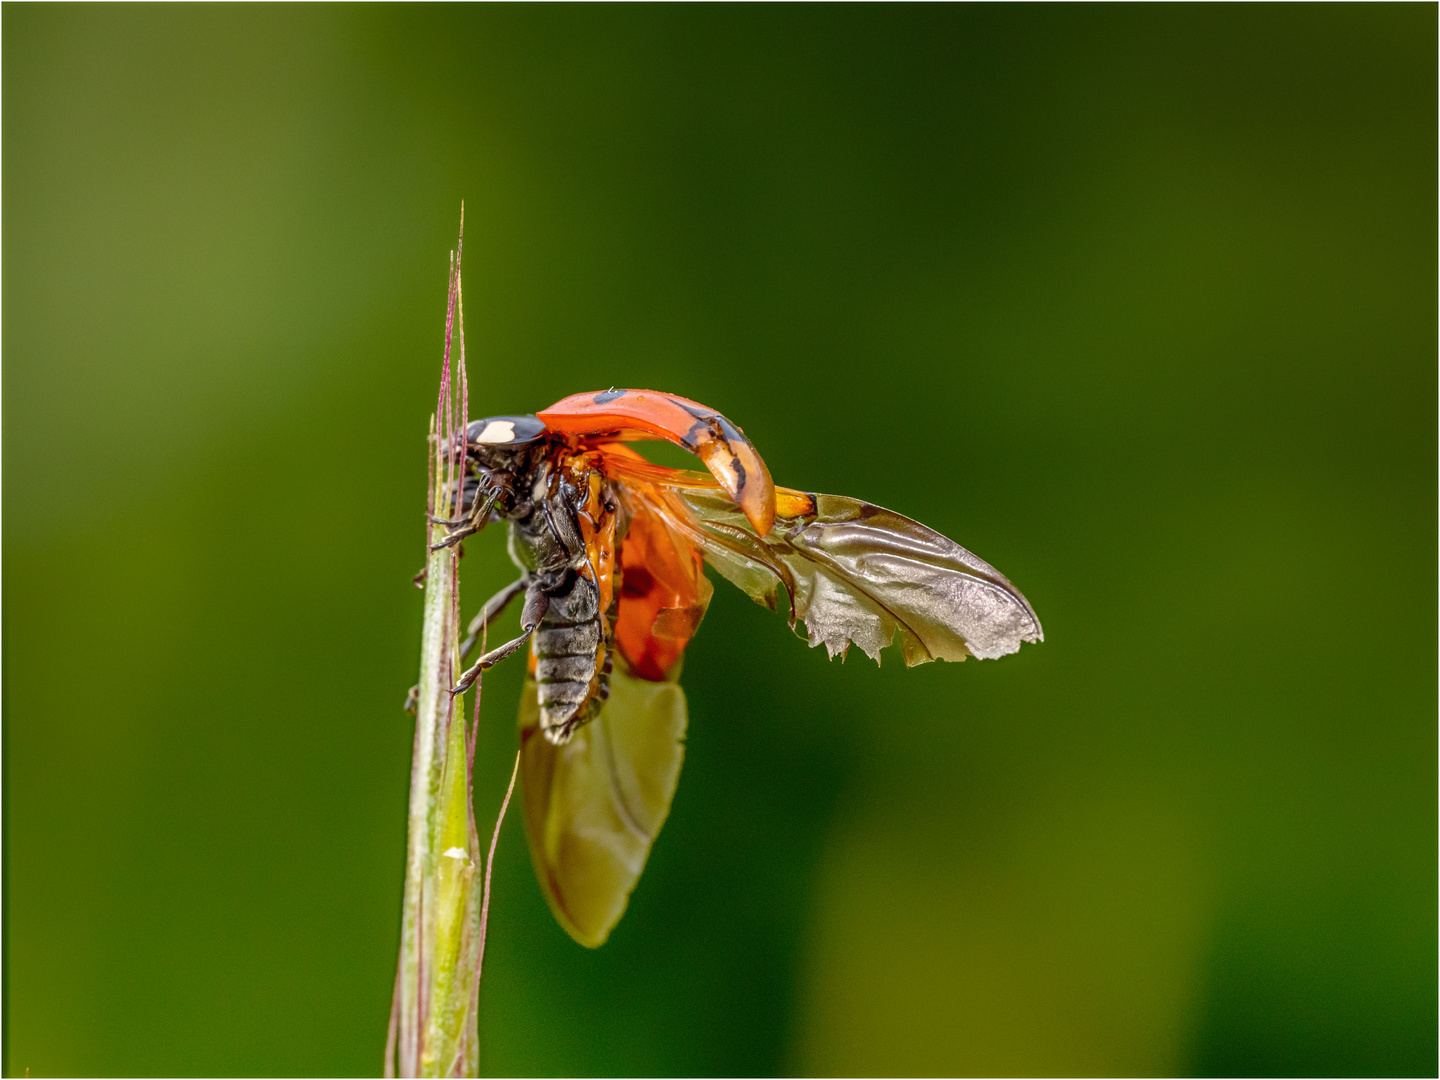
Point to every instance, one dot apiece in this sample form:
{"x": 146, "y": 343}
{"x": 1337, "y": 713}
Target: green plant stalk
{"x": 440, "y": 931}
{"x": 433, "y": 1029}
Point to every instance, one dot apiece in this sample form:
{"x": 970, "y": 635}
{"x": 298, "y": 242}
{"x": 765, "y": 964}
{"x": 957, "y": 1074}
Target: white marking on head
{"x": 497, "y": 431}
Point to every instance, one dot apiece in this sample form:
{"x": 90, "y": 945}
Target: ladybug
{"x": 611, "y": 551}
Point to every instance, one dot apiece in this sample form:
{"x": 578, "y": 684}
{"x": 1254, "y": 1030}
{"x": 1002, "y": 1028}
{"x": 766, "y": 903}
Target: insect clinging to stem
{"x": 611, "y": 551}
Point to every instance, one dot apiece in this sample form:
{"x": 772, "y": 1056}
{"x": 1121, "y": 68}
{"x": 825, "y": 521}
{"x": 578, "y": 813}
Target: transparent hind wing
{"x": 855, "y": 573}
{"x": 594, "y": 806}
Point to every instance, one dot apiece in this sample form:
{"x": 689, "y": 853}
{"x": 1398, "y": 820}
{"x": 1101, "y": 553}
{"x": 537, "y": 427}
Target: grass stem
{"x": 433, "y": 1024}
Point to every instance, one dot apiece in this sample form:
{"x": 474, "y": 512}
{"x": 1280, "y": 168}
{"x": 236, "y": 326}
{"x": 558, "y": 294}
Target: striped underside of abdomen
{"x": 572, "y": 660}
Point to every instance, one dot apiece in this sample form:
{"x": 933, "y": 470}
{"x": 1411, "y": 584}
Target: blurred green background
{"x": 1139, "y": 303}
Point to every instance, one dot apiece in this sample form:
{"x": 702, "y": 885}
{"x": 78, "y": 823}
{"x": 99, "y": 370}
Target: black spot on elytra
{"x": 607, "y": 396}
{"x": 691, "y": 439}
{"x": 699, "y": 414}
{"x": 731, "y": 433}
{"x": 718, "y": 427}
{"x": 739, "y": 474}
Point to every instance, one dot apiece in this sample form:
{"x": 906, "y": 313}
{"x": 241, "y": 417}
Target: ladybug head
{"x": 502, "y": 450}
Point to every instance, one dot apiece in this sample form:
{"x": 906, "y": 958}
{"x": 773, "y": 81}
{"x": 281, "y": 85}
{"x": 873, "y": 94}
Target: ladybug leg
{"x": 489, "y": 613}
{"x": 467, "y": 490}
{"x": 489, "y": 660}
{"x": 536, "y": 604}
{"x": 478, "y": 511}
{"x": 466, "y": 526}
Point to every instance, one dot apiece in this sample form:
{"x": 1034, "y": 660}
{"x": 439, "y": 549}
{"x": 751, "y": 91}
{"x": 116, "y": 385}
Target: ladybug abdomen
{"x": 572, "y": 659}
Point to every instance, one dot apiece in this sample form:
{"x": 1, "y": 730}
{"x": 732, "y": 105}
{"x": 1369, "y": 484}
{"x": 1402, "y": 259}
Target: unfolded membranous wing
{"x": 855, "y": 573}
{"x": 594, "y": 806}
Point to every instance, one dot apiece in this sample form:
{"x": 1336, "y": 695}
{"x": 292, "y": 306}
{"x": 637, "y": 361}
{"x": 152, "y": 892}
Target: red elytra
{"x": 629, "y": 415}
